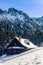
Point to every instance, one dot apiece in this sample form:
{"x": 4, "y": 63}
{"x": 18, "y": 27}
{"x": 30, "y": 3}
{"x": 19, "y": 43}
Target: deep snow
{"x": 32, "y": 57}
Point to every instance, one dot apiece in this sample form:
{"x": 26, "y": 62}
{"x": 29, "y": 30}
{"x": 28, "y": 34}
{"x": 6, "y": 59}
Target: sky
{"x": 34, "y": 8}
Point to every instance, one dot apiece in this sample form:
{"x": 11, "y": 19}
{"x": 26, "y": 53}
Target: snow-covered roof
{"x": 25, "y": 41}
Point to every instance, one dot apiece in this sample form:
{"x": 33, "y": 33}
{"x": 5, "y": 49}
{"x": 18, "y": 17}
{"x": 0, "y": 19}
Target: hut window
{"x": 28, "y": 43}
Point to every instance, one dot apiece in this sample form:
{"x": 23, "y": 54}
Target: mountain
{"x": 14, "y": 22}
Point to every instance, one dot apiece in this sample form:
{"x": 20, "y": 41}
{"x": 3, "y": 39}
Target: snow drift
{"x": 32, "y": 57}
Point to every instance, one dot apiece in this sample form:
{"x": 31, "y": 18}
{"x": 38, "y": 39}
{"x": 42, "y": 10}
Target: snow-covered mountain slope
{"x": 32, "y": 57}
{"x": 16, "y": 16}
{"x": 17, "y": 22}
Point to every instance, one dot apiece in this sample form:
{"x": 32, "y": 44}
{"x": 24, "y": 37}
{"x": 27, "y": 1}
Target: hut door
{"x": 15, "y": 45}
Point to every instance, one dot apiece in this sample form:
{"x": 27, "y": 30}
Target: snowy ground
{"x": 32, "y": 57}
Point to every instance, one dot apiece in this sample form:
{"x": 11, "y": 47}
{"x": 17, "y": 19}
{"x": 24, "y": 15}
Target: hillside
{"x": 32, "y": 57}
{"x": 14, "y": 22}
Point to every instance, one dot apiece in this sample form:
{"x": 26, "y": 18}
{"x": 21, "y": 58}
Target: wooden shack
{"x": 15, "y": 47}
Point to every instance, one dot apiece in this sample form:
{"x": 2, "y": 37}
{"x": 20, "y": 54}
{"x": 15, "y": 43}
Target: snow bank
{"x": 32, "y": 57}
{"x": 1, "y": 64}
